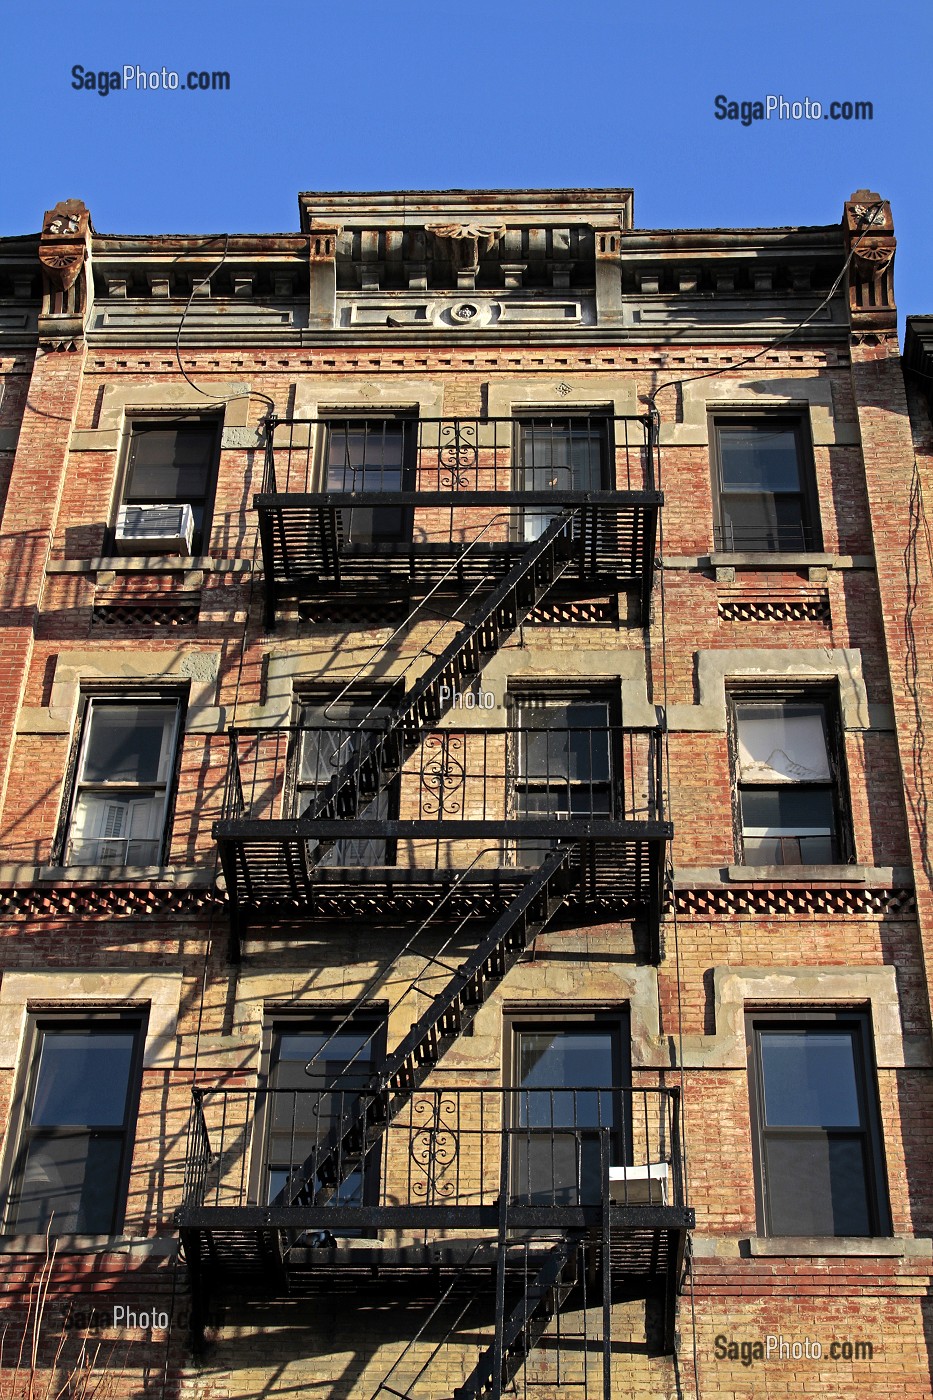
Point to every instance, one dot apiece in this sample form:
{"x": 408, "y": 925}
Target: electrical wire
{"x": 195, "y": 287}
{"x": 670, "y": 870}
{"x": 869, "y": 218}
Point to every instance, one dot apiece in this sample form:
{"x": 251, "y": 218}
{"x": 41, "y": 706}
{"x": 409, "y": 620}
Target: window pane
{"x": 170, "y": 464}
{"x": 72, "y": 1181}
{"x": 129, "y": 743}
{"x": 782, "y": 743}
{"x": 809, "y": 1079}
{"x": 787, "y": 811}
{"x": 556, "y": 1169}
{"x": 578, "y": 750}
{"x": 576, "y": 1058}
{"x": 83, "y": 1078}
{"x": 347, "y": 1044}
{"x": 116, "y": 830}
{"x": 817, "y": 1186}
{"x": 563, "y": 456}
{"x": 369, "y": 457}
{"x": 769, "y": 523}
{"x": 759, "y": 458}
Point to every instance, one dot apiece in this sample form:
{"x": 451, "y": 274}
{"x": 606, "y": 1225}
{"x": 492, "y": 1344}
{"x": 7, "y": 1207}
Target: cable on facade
{"x": 869, "y": 218}
{"x": 656, "y": 422}
{"x": 195, "y": 287}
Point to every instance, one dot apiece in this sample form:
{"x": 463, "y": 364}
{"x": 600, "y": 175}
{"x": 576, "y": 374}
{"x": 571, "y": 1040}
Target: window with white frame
{"x": 122, "y": 783}
{"x": 788, "y": 769}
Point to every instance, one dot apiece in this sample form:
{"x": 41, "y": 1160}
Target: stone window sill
{"x": 819, "y": 1247}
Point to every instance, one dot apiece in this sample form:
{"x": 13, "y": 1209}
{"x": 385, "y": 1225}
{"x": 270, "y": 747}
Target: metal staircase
{"x": 349, "y": 1206}
{"x": 382, "y": 754}
{"x": 359, "y": 1129}
{"x": 516, "y": 1335}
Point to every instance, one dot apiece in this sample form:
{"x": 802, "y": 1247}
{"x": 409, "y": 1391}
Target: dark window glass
{"x": 74, "y": 1144}
{"x": 560, "y": 454}
{"x": 367, "y": 457}
{"x": 565, "y": 763}
{"x": 315, "y": 1076}
{"x": 326, "y": 747}
{"x": 124, "y": 770}
{"x": 816, "y": 1154}
{"x": 764, "y": 495}
{"x": 787, "y": 789}
{"x": 568, "y": 1090}
{"x": 173, "y": 463}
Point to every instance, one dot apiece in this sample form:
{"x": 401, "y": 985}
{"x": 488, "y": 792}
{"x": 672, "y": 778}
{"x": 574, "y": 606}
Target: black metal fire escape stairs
{"x": 289, "y": 850}
{"x": 357, "y": 1132}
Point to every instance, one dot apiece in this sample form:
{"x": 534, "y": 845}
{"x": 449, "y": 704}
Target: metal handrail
{"x": 467, "y": 453}
{"x": 459, "y": 772}
{"x": 444, "y": 1146}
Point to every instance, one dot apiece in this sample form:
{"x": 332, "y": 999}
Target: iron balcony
{"x": 268, "y": 1203}
{"x": 382, "y": 510}
{"x": 466, "y": 815}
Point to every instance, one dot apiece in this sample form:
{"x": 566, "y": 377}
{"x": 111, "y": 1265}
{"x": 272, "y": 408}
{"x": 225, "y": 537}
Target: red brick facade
{"x": 843, "y": 618}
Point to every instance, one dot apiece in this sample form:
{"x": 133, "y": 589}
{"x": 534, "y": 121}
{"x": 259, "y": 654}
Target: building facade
{"x": 465, "y": 886}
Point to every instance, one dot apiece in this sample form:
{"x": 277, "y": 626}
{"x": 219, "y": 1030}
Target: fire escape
{"x": 407, "y": 816}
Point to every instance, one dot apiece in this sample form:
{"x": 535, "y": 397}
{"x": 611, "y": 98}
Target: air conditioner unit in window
{"x": 163, "y": 529}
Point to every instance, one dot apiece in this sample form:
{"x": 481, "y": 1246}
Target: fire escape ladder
{"x": 362, "y": 1125}
{"x": 518, "y": 1334}
{"x": 379, "y": 756}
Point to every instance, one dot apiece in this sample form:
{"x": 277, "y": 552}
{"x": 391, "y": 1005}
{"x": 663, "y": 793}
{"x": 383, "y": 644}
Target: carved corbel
{"x": 64, "y": 256}
{"x": 463, "y": 245}
{"x": 869, "y": 232}
{"x": 322, "y": 265}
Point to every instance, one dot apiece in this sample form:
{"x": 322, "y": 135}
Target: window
{"x": 815, "y": 1117}
{"x": 368, "y": 456}
{"x": 75, "y": 1133}
{"x": 173, "y": 462}
{"x": 123, "y": 774}
{"x": 559, "y": 454}
{"x": 569, "y": 1081}
{"x": 317, "y": 1067}
{"x": 330, "y": 737}
{"x": 787, "y": 755}
{"x": 564, "y": 762}
{"x": 764, "y": 495}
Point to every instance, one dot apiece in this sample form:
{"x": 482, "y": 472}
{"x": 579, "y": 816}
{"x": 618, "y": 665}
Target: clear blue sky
{"x": 410, "y": 94}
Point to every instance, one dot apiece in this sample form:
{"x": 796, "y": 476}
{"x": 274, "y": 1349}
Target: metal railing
{"x": 579, "y": 453}
{"x": 457, "y": 774}
{"x": 795, "y": 538}
{"x": 443, "y": 1148}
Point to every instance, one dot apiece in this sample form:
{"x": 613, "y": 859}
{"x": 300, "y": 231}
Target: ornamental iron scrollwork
{"x": 457, "y": 455}
{"x": 434, "y": 1147}
{"x": 443, "y": 774}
